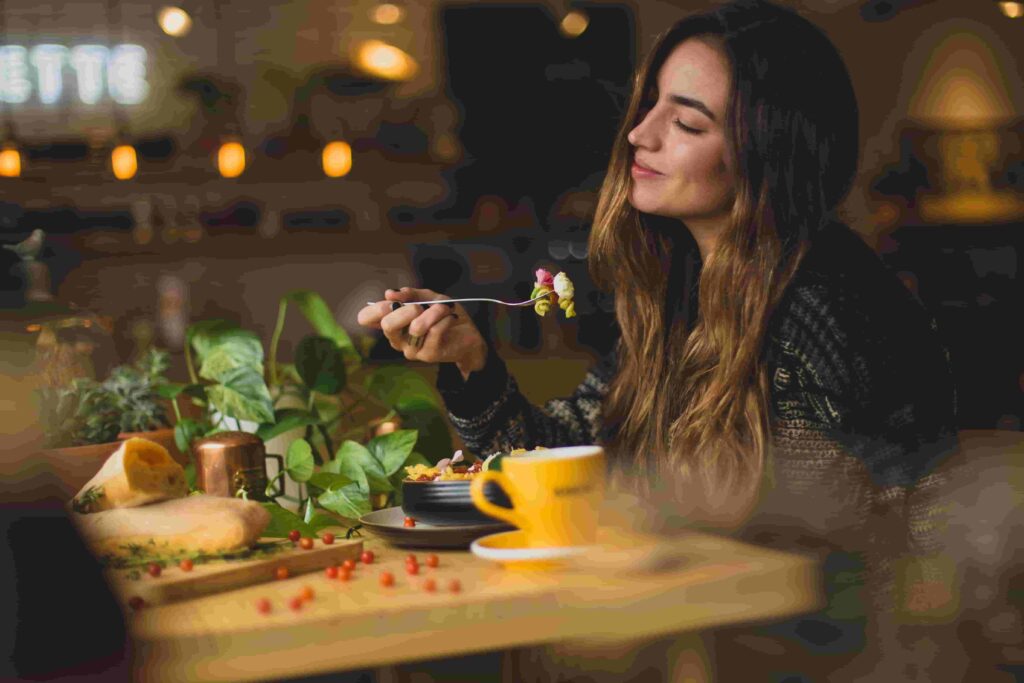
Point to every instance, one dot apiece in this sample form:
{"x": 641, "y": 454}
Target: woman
{"x": 770, "y": 371}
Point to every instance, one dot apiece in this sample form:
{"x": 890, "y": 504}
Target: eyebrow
{"x": 693, "y": 104}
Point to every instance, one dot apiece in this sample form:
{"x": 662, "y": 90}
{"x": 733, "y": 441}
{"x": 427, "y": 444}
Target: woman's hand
{"x": 441, "y": 333}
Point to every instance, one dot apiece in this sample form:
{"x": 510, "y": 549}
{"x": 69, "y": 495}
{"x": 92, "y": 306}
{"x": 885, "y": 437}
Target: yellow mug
{"x": 555, "y": 494}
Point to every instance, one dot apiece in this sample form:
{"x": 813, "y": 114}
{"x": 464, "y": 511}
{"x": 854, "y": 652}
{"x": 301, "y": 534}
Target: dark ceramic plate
{"x": 388, "y": 524}
{"x": 445, "y": 503}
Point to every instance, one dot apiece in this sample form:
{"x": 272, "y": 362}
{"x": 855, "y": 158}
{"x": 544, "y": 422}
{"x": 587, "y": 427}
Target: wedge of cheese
{"x": 139, "y": 472}
{"x": 194, "y": 524}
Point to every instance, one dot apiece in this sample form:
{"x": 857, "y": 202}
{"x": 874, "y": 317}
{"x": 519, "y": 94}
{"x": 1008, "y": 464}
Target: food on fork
{"x": 558, "y": 289}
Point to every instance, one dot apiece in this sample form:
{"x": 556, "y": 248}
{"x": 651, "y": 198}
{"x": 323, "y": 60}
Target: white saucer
{"x": 509, "y": 548}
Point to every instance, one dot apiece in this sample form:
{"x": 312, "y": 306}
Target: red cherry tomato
{"x": 294, "y": 535}
{"x": 331, "y": 572}
{"x": 154, "y": 569}
{"x": 430, "y": 585}
{"x": 281, "y": 573}
{"x": 412, "y": 569}
{"x": 409, "y": 522}
{"x": 411, "y": 558}
{"x": 432, "y": 560}
{"x": 136, "y": 603}
{"x": 328, "y": 538}
{"x": 186, "y": 565}
{"x": 454, "y": 586}
{"x": 295, "y": 603}
{"x": 263, "y": 606}
{"x": 350, "y": 564}
{"x": 307, "y": 593}
{"x": 306, "y": 543}
{"x": 345, "y": 574}
{"x": 367, "y": 557}
{"x": 387, "y": 579}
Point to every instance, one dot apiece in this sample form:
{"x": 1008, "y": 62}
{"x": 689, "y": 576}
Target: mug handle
{"x": 280, "y": 480}
{"x": 476, "y": 492}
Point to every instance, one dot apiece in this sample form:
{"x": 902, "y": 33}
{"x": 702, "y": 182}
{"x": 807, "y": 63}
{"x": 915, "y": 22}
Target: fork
{"x": 395, "y": 305}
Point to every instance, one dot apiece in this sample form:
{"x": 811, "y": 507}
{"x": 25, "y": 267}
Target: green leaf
{"x": 322, "y": 521}
{"x": 285, "y": 420}
{"x": 320, "y": 317}
{"x": 240, "y": 350}
{"x": 320, "y": 364}
{"x": 299, "y": 460}
{"x": 185, "y": 432}
{"x": 349, "y": 501}
{"x": 329, "y": 480}
{"x": 309, "y": 511}
{"x": 206, "y": 335}
{"x": 242, "y": 394}
{"x": 435, "y": 439}
{"x": 401, "y": 387}
{"x": 282, "y": 521}
{"x": 391, "y": 450}
{"x": 190, "y": 476}
{"x": 354, "y": 453}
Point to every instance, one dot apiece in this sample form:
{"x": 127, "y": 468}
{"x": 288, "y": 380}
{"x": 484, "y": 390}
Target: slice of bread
{"x": 139, "y": 472}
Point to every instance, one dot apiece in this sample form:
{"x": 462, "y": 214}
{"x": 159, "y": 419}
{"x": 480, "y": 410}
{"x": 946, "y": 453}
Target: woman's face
{"x": 681, "y": 168}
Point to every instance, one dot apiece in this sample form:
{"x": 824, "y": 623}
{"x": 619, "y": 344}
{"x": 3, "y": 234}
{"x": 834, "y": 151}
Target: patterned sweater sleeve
{"x": 491, "y": 414}
{"x": 885, "y": 399}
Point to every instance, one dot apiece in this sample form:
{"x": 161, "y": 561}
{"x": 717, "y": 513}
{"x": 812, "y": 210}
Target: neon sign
{"x": 119, "y": 71}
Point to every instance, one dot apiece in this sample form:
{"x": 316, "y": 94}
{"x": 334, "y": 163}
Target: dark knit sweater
{"x": 861, "y": 396}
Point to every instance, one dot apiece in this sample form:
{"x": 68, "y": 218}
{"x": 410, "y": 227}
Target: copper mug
{"x": 230, "y": 462}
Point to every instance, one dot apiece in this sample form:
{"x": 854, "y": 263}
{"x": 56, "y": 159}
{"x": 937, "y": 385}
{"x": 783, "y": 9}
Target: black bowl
{"x": 447, "y": 503}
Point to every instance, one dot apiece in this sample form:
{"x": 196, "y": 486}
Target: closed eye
{"x": 688, "y": 129}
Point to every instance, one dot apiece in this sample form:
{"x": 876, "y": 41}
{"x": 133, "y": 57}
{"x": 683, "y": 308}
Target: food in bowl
{"x": 439, "y": 494}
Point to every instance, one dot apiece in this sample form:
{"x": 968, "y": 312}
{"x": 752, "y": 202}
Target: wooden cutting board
{"x": 174, "y": 584}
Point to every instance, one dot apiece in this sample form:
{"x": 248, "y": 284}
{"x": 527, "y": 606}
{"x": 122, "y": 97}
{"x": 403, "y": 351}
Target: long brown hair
{"x": 691, "y": 398}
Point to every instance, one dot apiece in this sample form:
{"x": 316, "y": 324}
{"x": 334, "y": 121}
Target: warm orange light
{"x": 337, "y": 159}
{"x": 387, "y": 61}
{"x": 174, "y": 21}
{"x": 124, "y": 162}
{"x": 387, "y": 13}
{"x": 1014, "y": 9}
{"x": 10, "y": 161}
{"x": 574, "y": 24}
{"x": 231, "y": 159}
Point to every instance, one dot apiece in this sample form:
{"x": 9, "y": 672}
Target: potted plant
{"x": 86, "y": 420}
{"x": 322, "y": 412}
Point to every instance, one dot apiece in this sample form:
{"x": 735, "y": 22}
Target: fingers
{"x": 430, "y": 317}
{"x": 412, "y": 294}
{"x": 394, "y": 323}
{"x": 371, "y": 314}
{"x": 431, "y": 346}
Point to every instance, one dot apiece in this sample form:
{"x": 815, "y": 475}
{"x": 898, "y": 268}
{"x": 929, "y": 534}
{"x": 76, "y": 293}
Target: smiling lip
{"x": 640, "y": 171}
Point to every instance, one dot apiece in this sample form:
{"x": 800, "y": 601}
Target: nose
{"x": 643, "y": 134}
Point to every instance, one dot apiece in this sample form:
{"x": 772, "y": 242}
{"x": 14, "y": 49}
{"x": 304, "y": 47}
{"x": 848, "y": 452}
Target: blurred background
{"x": 198, "y": 161}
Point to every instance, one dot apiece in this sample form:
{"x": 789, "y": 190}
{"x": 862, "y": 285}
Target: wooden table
{"x": 361, "y": 624}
